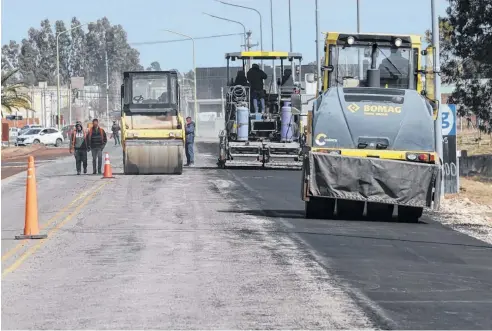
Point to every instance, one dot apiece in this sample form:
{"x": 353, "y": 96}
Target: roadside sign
{"x": 450, "y": 154}
{"x": 448, "y": 120}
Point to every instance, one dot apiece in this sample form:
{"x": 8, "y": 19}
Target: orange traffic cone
{"x": 108, "y": 173}
{"x": 31, "y": 227}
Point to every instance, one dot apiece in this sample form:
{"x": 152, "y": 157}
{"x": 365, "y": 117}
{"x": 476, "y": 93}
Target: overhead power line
{"x": 177, "y": 40}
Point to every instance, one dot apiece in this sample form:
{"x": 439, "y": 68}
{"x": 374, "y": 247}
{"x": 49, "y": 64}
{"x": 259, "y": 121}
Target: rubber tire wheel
{"x": 58, "y": 142}
{"x": 36, "y": 142}
{"x": 319, "y": 208}
{"x": 409, "y": 214}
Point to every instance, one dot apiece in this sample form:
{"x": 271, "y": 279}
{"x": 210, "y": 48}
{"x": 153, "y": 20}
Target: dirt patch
{"x": 474, "y": 142}
{"x": 9, "y": 152}
{"x": 470, "y": 211}
{"x": 16, "y": 161}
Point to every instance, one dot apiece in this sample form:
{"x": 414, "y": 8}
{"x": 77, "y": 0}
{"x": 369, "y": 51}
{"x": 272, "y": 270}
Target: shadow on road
{"x": 296, "y": 214}
{"x": 299, "y": 214}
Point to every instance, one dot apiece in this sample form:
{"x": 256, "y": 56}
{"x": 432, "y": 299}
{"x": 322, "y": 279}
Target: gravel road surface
{"x": 159, "y": 252}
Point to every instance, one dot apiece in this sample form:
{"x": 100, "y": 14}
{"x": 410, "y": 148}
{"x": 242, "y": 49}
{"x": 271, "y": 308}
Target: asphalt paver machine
{"x": 272, "y": 137}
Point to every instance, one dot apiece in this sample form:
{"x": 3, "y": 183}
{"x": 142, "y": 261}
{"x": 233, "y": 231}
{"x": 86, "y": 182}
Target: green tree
{"x": 12, "y": 98}
{"x": 64, "y": 46}
{"x": 465, "y": 42}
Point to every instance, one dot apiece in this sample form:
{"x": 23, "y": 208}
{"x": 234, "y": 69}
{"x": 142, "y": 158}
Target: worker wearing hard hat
{"x": 78, "y": 146}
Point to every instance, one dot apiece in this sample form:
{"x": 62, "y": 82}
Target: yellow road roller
{"x": 152, "y": 128}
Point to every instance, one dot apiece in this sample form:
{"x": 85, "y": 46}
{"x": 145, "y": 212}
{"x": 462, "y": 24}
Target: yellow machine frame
{"x": 416, "y": 44}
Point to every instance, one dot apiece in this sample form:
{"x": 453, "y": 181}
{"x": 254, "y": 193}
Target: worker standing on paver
{"x": 116, "y": 133}
{"x": 190, "y": 140}
{"x": 96, "y": 140}
{"x": 78, "y": 146}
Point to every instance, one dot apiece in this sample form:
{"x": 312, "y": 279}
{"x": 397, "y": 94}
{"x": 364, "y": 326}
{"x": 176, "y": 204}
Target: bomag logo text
{"x": 353, "y": 107}
{"x": 381, "y": 110}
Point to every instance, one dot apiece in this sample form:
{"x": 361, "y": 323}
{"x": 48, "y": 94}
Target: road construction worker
{"x": 116, "y": 133}
{"x": 255, "y": 77}
{"x": 190, "y": 139}
{"x": 96, "y": 139}
{"x": 78, "y": 146}
{"x": 241, "y": 79}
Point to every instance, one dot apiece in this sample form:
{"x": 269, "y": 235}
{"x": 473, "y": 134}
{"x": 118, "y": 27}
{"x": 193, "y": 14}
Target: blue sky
{"x": 143, "y": 20}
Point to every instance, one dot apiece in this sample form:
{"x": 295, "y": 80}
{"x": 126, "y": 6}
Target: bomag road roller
{"x": 269, "y": 137}
{"x": 152, "y": 128}
{"x": 371, "y": 142}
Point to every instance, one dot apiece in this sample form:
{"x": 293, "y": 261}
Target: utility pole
{"x": 248, "y": 47}
{"x": 318, "y": 63}
{"x": 437, "y": 87}
{"x": 107, "y": 89}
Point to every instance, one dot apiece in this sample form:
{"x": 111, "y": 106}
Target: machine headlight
{"x": 350, "y": 40}
{"x": 171, "y": 134}
{"x": 398, "y": 42}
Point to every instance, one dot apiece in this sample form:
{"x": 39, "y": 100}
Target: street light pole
{"x": 261, "y": 24}
{"x": 273, "y": 49}
{"x": 229, "y": 20}
{"x": 58, "y": 71}
{"x": 290, "y": 40}
{"x": 361, "y": 66}
{"x": 194, "y": 74}
{"x": 437, "y": 86}
{"x": 107, "y": 87}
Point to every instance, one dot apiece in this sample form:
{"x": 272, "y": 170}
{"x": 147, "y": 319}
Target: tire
{"x": 58, "y": 142}
{"x": 319, "y": 208}
{"x": 36, "y": 142}
{"x": 408, "y": 214}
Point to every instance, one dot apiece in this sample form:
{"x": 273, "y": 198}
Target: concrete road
{"x": 225, "y": 249}
{"x": 161, "y": 252}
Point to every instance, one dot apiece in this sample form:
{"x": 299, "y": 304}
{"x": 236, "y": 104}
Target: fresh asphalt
{"x": 225, "y": 249}
{"x": 405, "y": 276}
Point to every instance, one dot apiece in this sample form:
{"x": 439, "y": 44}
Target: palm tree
{"x": 12, "y": 98}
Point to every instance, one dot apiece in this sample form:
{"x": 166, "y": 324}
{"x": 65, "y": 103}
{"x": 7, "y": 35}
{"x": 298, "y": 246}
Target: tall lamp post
{"x": 273, "y": 49}
{"x": 229, "y": 20}
{"x": 437, "y": 86}
{"x": 194, "y": 74}
{"x": 58, "y": 70}
{"x": 261, "y": 24}
{"x": 318, "y": 63}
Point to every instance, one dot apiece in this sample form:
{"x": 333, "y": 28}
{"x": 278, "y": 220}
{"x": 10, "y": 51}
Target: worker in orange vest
{"x": 78, "y": 146}
{"x": 96, "y": 140}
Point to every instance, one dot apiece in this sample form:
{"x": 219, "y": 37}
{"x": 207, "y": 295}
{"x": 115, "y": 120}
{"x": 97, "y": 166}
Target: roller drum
{"x": 148, "y": 157}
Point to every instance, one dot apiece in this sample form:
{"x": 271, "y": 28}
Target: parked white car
{"x": 46, "y": 136}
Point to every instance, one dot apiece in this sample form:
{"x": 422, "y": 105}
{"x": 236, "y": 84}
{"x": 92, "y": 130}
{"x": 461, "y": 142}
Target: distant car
{"x": 25, "y": 128}
{"x": 46, "y": 136}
